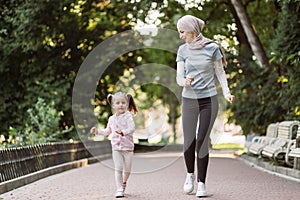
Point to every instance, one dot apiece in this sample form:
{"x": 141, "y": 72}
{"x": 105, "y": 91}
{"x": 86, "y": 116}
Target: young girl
{"x": 121, "y": 126}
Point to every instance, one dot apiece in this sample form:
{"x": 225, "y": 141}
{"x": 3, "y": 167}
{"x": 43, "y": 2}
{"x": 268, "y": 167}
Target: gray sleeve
{"x": 179, "y": 56}
{"x": 217, "y": 55}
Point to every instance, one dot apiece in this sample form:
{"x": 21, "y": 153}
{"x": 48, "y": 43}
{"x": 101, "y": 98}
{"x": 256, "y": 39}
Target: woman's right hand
{"x": 189, "y": 80}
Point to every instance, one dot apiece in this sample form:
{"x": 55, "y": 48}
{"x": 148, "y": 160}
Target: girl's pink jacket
{"x": 125, "y": 123}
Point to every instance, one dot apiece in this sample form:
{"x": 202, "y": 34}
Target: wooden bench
{"x": 292, "y": 156}
{"x": 259, "y": 142}
{"x": 287, "y": 131}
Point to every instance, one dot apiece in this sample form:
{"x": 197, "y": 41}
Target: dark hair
{"x": 131, "y": 104}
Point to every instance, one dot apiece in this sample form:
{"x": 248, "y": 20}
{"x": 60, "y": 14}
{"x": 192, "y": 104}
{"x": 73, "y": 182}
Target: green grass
{"x": 227, "y": 146}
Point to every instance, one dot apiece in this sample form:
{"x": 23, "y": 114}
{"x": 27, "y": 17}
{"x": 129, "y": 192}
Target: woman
{"x": 198, "y": 61}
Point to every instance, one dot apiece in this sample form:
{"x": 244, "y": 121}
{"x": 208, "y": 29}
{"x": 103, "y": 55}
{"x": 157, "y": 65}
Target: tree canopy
{"x": 43, "y": 43}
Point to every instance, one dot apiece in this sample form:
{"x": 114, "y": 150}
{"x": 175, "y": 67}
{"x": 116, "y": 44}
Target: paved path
{"x": 161, "y": 176}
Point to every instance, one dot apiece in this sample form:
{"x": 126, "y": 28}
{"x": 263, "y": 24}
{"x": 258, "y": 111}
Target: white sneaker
{"x": 120, "y": 193}
{"x": 201, "y": 192}
{"x": 188, "y": 186}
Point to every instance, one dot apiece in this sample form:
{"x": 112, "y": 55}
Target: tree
{"x": 286, "y": 59}
{"x": 43, "y": 44}
{"x": 262, "y": 94}
{"x": 256, "y": 89}
{"x": 29, "y": 60}
{"x": 252, "y": 37}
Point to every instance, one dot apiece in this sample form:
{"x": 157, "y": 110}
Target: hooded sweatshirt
{"x": 125, "y": 123}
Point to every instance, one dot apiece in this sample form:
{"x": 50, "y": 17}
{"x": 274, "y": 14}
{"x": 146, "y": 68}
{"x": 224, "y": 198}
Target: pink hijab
{"x": 189, "y": 23}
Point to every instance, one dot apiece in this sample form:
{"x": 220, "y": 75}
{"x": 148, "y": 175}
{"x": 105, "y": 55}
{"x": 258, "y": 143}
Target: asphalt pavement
{"x": 160, "y": 175}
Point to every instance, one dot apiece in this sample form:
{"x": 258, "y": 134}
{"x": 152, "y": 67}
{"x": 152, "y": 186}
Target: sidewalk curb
{"x": 284, "y": 172}
{"x": 30, "y": 178}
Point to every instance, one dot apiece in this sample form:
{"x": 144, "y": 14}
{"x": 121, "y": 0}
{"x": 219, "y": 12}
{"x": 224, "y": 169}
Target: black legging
{"x": 205, "y": 112}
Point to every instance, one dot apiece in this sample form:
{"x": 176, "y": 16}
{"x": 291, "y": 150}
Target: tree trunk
{"x": 244, "y": 46}
{"x": 252, "y": 37}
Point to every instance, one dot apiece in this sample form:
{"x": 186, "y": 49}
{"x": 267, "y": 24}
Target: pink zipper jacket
{"x": 125, "y": 123}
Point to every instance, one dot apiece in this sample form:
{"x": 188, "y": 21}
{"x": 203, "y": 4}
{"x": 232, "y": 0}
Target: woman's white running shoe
{"x": 201, "y": 192}
{"x": 188, "y": 186}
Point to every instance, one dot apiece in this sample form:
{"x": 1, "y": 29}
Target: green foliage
{"x": 286, "y": 57}
{"x": 261, "y": 95}
{"x": 264, "y": 96}
{"x": 286, "y": 44}
{"x": 32, "y": 64}
{"x": 43, "y": 124}
{"x": 42, "y": 45}
{"x": 264, "y": 26}
{"x": 257, "y": 100}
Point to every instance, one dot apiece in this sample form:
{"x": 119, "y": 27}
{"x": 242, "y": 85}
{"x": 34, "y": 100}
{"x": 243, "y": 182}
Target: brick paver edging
{"x": 284, "y": 172}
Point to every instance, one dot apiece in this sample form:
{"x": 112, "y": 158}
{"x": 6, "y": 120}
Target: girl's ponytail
{"x": 109, "y": 98}
{"x": 131, "y": 104}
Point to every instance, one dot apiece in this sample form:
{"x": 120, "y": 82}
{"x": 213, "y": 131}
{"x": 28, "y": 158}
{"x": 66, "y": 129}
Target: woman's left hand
{"x": 230, "y": 99}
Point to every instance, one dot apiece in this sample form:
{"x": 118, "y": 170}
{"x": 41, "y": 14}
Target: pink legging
{"x": 123, "y": 163}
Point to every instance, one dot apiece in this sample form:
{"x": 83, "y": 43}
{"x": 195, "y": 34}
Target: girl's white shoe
{"x": 120, "y": 193}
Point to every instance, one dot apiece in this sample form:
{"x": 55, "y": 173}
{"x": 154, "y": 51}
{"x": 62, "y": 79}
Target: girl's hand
{"x": 93, "y": 130}
{"x": 230, "y": 99}
{"x": 119, "y": 132}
